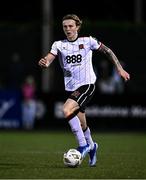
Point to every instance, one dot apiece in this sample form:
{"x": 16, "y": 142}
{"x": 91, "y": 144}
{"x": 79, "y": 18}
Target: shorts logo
{"x": 75, "y": 94}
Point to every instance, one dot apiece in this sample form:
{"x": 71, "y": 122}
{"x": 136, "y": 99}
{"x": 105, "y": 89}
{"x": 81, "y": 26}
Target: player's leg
{"x": 86, "y": 129}
{"x": 88, "y": 137}
{"x": 70, "y": 110}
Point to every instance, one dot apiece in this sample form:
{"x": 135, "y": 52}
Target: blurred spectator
{"x": 29, "y": 102}
{"x": 110, "y": 82}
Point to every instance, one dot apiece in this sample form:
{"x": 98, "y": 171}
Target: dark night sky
{"x": 100, "y": 10}
{"x": 20, "y": 10}
{"x": 17, "y": 10}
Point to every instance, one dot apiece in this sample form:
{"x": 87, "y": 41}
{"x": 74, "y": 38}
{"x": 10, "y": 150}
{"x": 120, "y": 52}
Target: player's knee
{"x": 66, "y": 112}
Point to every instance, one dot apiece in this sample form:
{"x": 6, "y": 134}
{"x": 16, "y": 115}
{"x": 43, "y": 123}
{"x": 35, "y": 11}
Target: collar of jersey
{"x": 73, "y": 40}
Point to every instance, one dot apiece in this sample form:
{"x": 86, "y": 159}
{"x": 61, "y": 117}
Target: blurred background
{"x": 32, "y": 98}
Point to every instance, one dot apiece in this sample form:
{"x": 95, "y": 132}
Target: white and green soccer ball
{"x": 72, "y": 158}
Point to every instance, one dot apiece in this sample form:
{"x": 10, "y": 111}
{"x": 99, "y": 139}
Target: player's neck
{"x": 73, "y": 38}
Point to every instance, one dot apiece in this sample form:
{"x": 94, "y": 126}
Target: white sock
{"x": 77, "y": 131}
{"x": 88, "y": 137}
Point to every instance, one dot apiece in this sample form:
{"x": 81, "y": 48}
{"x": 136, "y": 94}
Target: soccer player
{"x": 75, "y": 56}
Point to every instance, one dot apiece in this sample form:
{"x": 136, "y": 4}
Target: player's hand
{"x": 124, "y": 74}
{"x": 43, "y": 62}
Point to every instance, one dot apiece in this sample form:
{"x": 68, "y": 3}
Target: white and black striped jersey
{"x": 76, "y": 60}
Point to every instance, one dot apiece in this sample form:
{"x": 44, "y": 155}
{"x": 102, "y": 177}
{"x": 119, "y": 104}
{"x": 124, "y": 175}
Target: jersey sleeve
{"x": 54, "y": 50}
{"x": 95, "y": 44}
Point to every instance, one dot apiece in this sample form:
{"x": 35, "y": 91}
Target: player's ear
{"x": 78, "y": 28}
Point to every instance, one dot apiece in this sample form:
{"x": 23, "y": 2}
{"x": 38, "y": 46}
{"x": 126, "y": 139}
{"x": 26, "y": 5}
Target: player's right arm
{"x": 47, "y": 60}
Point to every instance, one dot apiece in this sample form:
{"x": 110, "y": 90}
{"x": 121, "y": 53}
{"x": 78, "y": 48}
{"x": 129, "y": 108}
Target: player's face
{"x": 70, "y": 29}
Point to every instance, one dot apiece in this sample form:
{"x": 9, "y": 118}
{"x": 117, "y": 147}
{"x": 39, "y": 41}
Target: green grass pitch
{"x": 38, "y": 155}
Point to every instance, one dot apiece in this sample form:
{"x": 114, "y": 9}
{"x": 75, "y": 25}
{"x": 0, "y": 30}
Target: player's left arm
{"x": 110, "y": 55}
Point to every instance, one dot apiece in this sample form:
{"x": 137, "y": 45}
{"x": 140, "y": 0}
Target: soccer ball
{"x": 72, "y": 158}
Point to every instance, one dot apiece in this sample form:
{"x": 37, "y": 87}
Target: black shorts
{"x": 82, "y": 95}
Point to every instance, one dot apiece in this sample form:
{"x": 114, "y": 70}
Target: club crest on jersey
{"x": 81, "y": 46}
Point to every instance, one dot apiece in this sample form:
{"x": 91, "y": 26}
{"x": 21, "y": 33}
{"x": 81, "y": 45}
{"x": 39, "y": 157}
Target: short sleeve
{"x": 95, "y": 44}
{"x": 54, "y": 49}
